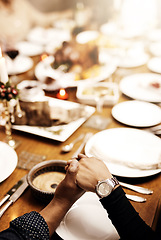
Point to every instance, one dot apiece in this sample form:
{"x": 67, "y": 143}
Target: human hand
{"x": 68, "y": 191}
{"x": 91, "y": 170}
{"x": 65, "y": 195}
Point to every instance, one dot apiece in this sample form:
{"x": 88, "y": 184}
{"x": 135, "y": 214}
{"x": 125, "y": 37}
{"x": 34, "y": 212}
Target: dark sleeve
{"x": 29, "y": 226}
{"x": 125, "y": 219}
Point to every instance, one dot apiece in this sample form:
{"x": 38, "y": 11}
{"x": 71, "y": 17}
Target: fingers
{"x": 81, "y": 156}
{"x": 72, "y": 170}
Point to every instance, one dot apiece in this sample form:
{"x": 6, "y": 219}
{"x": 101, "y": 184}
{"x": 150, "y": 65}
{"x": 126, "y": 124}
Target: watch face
{"x": 104, "y": 189}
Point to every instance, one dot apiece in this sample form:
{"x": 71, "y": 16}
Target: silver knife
{"x": 136, "y": 188}
{"x": 15, "y": 194}
{"x": 12, "y": 190}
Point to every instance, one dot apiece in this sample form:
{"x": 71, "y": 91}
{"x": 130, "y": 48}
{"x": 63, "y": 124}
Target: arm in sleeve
{"x": 29, "y": 226}
{"x": 124, "y": 217}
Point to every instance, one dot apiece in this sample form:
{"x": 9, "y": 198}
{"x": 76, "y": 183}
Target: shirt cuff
{"x": 31, "y": 226}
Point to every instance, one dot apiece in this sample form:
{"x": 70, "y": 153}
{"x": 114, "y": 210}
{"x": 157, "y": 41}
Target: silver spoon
{"x": 67, "y": 148}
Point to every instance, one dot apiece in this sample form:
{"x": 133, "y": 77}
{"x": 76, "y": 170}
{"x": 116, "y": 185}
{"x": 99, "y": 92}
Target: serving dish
{"x": 88, "y": 93}
{"x": 63, "y": 131}
{"x": 43, "y": 178}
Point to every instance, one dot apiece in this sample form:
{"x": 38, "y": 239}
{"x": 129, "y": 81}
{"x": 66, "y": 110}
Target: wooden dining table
{"x": 52, "y": 150}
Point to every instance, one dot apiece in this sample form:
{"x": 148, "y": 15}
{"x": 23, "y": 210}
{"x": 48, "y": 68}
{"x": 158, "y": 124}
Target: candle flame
{"x": 43, "y": 57}
{"x": 62, "y": 92}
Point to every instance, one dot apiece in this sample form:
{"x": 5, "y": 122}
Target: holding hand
{"x": 65, "y": 196}
{"x": 67, "y": 191}
{"x": 91, "y": 170}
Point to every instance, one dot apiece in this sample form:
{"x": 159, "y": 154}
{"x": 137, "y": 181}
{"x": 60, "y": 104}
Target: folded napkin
{"x": 137, "y": 161}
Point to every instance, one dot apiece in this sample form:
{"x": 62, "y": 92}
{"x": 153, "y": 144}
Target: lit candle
{"x": 62, "y": 94}
{"x": 3, "y": 69}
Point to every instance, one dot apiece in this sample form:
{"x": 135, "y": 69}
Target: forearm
{"x": 124, "y": 217}
{"x": 53, "y": 214}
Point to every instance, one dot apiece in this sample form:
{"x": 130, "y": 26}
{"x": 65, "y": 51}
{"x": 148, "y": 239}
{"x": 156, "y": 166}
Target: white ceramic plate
{"x": 87, "y": 219}
{"x": 154, "y": 35}
{"x": 137, "y": 113}
{"x": 29, "y": 49}
{"x": 8, "y": 161}
{"x": 155, "y": 49}
{"x": 154, "y": 64}
{"x": 137, "y": 86}
{"x": 44, "y": 36}
{"x": 87, "y": 36}
{"x": 20, "y": 65}
{"x": 61, "y": 132}
{"x": 126, "y": 145}
{"x": 132, "y": 60}
{"x": 63, "y": 80}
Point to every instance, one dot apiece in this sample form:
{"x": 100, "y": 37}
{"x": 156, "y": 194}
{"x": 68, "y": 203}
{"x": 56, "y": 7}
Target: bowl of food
{"x": 44, "y": 178}
{"x": 88, "y": 94}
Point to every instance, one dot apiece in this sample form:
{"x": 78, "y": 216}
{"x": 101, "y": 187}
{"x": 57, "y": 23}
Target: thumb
{"x": 72, "y": 170}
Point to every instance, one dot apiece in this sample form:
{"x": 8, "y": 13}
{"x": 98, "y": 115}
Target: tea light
{"x": 62, "y": 94}
{"x": 3, "y": 69}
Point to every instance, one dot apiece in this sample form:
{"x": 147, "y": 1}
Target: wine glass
{"x": 100, "y": 98}
{"x": 12, "y": 53}
{"x": 99, "y": 122}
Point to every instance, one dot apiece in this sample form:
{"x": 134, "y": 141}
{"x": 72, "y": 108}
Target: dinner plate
{"x": 154, "y": 64}
{"x": 87, "y": 219}
{"x": 155, "y": 49}
{"x": 63, "y": 80}
{"x": 29, "y": 49}
{"x": 19, "y": 65}
{"x": 130, "y": 60}
{"x": 44, "y": 36}
{"x": 140, "y": 87}
{"x": 127, "y": 152}
{"x": 8, "y": 161}
{"x": 87, "y": 36}
{"x": 63, "y": 131}
{"x": 154, "y": 35}
{"x": 137, "y": 113}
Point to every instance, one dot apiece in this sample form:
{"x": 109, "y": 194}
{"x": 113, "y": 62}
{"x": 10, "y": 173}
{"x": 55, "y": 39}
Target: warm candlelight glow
{"x": 62, "y": 94}
{"x": 46, "y": 60}
{"x": 44, "y": 56}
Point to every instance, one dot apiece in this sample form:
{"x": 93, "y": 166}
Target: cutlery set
{"x": 13, "y": 194}
{"x": 136, "y": 189}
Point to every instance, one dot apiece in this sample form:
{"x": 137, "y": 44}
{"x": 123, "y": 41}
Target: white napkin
{"x": 141, "y": 151}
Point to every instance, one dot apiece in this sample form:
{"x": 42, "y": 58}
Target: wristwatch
{"x": 105, "y": 187}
